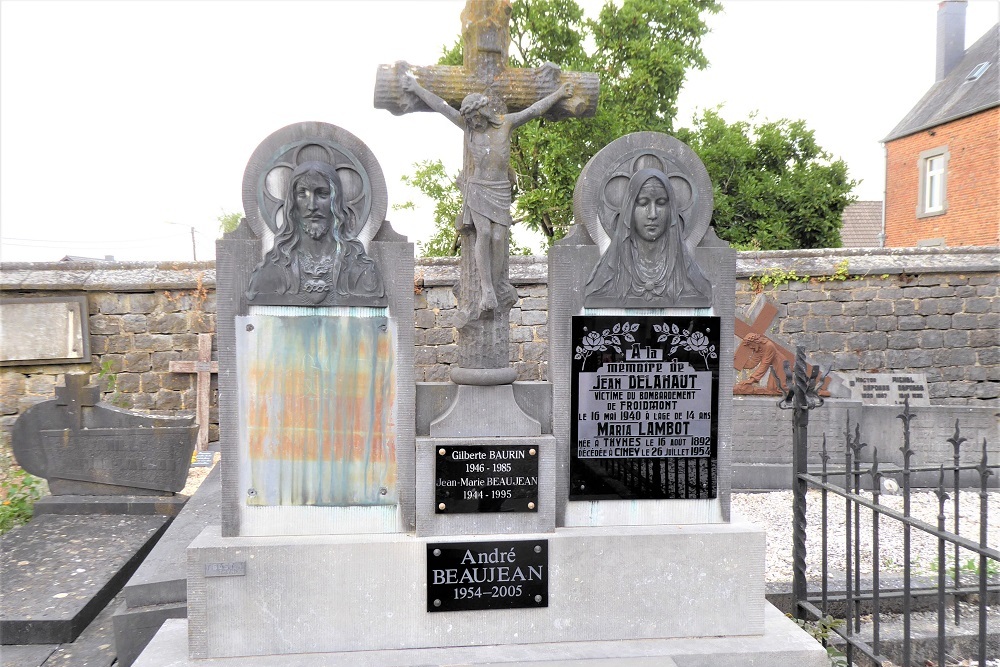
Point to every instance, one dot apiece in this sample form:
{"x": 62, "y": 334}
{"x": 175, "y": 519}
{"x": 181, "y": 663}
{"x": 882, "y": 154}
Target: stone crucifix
{"x": 487, "y": 100}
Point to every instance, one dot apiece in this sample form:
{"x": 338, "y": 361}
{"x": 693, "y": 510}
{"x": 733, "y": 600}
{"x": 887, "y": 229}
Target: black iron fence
{"x": 863, "y": 491}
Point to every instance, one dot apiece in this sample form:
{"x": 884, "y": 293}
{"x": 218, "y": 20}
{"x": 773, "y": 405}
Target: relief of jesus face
{"x": 649, "y": 216}
{"x": 313, "y": 204}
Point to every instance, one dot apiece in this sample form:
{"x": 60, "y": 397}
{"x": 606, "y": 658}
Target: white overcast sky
{"x": 124, "y": 124}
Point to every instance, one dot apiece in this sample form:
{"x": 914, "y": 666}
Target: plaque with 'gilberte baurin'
{"x": 486, "y": 478}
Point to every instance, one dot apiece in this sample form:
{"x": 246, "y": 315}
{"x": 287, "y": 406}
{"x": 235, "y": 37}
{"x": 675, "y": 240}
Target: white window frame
{"x": 932, "y": 193}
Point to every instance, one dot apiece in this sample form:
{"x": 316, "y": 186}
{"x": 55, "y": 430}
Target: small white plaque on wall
{"x": 44, "y": 330}
{"x": 889, "y": 388}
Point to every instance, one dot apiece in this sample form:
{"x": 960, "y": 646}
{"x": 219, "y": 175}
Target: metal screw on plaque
{"x": 531, "y": 451}
{"x": 531, "y": 506}
{"x": 440, "y": 506}
{"x": 441, "y": 451}
{"x": 437, "y": 552}
{"x": 251, "y": 492}
{"x": 538, "y": 548}
{"x": 437, "y": 603}
{"x": 249, "y": 327}
{"x": 538, "y": 598}
{"x": 382, "y": 327}
{"x": 383, "y": 491}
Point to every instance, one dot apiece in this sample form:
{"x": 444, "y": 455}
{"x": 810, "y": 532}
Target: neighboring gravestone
{"x": 638, "y": 324}
{"x": 60, "y": 570}
{"x": 83, "y": 447}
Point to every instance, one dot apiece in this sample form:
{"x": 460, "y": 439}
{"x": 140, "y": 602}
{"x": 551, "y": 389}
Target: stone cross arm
{"x": 519, "y": 88}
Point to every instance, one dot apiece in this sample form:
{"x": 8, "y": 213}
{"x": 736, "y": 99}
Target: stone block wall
{"x": 142, "y": 316}
{"x": 895, "y": 310}
{"x": 933, "y": 311}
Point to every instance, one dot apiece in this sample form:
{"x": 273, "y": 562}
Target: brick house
{"x": 943, "y": 159}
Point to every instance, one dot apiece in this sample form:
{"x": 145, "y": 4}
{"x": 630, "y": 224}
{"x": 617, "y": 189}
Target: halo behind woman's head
{"x": 603, "y": 184}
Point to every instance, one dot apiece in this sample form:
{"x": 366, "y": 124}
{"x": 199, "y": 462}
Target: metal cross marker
{"x": 494, "y": 100}
{"x": 204, "y": 368}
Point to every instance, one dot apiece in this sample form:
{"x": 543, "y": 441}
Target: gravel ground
{"x": 773, "y": 511}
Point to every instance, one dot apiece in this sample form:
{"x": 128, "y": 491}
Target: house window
{"x": 933, "y": 169}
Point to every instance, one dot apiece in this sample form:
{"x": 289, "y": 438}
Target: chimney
{"x": 950, "y": 36}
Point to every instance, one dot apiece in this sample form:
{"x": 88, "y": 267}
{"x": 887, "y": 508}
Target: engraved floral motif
{"x": 600, "y": 342}
{"x": 692, "y": 341}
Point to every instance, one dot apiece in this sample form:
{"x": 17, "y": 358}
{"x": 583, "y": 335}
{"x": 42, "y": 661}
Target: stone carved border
{"x": 603, "y": 181}
{"x": 274, "y": 159}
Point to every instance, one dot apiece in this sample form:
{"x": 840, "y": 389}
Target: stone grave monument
{"x": 114, "y": 477}
{"x": 366, "y": 523}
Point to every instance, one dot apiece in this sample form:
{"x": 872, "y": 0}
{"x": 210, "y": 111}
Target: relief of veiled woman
{"x": 647, "y": 258}
{"x": 313, "y": 261}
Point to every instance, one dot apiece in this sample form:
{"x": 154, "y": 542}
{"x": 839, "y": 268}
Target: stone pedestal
{"x": 367, "y": 593}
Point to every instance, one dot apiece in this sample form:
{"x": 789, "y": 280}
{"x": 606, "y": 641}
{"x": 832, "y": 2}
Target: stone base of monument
{"x": 781, "y": 644}
{"x": 612, "y": 593}
{"x": 59, "y": 572}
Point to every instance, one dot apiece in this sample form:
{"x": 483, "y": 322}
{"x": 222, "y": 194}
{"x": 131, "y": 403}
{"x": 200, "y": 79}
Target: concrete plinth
{"x": 781, "y": 644}
{"x": 353, "y": 593}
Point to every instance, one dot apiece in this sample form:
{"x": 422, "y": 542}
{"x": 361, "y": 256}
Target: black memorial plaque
{"x": 486, "y": 478}
{"x": 464, "y": 576}
{"x": 645, "y": 396}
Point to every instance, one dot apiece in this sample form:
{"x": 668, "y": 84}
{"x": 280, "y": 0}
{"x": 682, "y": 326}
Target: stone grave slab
{"x": 138, "y": 505}
{"x": 58, "y": 572}
{"x": 95, "y": 647}
{"x": 26, "y": 655}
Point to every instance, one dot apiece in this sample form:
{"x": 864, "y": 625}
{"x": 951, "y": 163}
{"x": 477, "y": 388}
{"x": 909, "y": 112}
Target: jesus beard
{"x": 315, "y": 229}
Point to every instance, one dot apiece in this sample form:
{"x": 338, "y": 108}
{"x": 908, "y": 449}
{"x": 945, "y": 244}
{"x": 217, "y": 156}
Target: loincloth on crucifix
{"x": 490, "y": 199}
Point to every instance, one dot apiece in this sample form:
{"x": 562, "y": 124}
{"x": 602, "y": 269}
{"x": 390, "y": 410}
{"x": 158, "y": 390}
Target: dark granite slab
{"x": 58, "y": 572}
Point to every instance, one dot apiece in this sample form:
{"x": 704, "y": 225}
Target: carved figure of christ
{"x": 486, "y": 190}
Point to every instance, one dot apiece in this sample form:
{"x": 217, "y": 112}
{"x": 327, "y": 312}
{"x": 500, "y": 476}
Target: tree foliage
{"x": 433, "y": 181}
{"x": 228, "y": 222}
{"x": 641, "y": 51}
{"x": 775, "y": 188}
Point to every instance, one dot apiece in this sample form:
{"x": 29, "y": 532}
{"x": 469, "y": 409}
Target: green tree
{"x": 228, "y": 222}
{"x": 775, "y": 188}
{"x": 431, "y": 178}
{"x": 641, "y": 50}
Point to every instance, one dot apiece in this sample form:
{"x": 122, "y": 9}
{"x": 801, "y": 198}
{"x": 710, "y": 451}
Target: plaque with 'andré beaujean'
{"x": 645, "y": 395}
{"x": 464, "y": 576}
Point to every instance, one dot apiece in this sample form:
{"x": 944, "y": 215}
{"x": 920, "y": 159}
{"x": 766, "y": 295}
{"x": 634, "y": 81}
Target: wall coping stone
{"x": 106, "y": 276}
{"x": 524, "y": 270}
